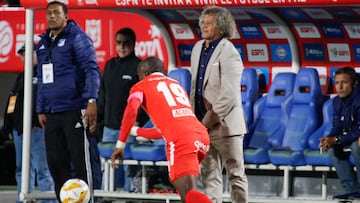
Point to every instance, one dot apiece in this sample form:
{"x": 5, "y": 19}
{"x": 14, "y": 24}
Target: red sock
{"x": 194, "y": 196}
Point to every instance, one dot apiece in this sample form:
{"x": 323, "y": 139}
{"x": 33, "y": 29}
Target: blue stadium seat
{"x": 313, "y": 156}
{"x": 305, "y": 117}
{"x": 249, "y": 92}
{"x": 105, "y": 151}
{"x": 270, "y": 118}
{"x": 183, "y": 76}
{"x": 153, "y": 150}
{"x": 107, "y": 148}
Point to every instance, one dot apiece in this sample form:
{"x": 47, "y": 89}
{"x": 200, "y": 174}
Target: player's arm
{"x": 149, "y": 133}
{"x": 128, "y": 120}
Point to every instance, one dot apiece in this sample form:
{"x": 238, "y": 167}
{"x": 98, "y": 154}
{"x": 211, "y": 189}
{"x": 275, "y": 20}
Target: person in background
{"x": 343, "y": 138}
{"x": 168, "y": 105}
{"x": 118, "y": 77}
{"x": 94, "y": 139}
{"x": 216, "y": 69}
{"x": 68, "y": 86}
{"x": 13, "y": 123}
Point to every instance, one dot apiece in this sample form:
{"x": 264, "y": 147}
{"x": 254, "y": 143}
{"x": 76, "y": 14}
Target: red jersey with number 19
{"x": 168, "y": 106}
{"x": 167, "y": 103}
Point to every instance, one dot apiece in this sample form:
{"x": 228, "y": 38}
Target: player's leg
{"x": 186, "y": 186}
{"x": 184, "y": 158}
{"x": 184, "y": 178}
{"x": 194, "y": 196}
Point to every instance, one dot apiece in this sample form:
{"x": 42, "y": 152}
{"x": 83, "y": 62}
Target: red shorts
{"x": 185, "y": 154}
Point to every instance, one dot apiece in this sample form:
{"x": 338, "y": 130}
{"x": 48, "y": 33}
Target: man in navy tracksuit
{"x": 68, "y": 86}
{"x": 342, "y": 140}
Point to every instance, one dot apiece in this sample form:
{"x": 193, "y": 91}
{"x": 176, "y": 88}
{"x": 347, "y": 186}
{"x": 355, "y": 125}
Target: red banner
{"x": 100, "y": 25}
{"x": 186, "y": 3}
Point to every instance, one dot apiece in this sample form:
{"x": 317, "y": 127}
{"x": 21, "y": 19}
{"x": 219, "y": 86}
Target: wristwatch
{"x": 337, "y": 140}
{"x": 91, "y": 100}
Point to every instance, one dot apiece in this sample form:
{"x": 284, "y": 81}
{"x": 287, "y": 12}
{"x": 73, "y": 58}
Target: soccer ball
{"x": 75, "y": 191}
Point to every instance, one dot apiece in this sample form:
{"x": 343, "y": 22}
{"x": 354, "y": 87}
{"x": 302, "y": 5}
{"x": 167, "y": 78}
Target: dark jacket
{"x": 14, "y": 120}
{"x": 346, "y": 118}
{"x": 75, "y": 70}
{"x": 120, "y": 74}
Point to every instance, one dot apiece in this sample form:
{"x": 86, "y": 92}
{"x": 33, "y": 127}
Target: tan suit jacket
{"x": 221, "y": 86}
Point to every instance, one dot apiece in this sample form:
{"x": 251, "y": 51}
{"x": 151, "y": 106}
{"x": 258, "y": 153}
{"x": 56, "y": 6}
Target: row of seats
{"x": 285, "y": 125}
{"x": 285, "y": 119}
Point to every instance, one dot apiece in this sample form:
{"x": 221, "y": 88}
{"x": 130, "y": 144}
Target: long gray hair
{"x": 224, "y": 20}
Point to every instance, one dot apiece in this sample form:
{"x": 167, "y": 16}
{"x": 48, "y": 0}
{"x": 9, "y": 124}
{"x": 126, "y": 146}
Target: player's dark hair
{"x": 152, "y": 64}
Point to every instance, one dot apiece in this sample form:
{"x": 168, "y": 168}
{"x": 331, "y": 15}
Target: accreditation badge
{"x": 47, "y": 73}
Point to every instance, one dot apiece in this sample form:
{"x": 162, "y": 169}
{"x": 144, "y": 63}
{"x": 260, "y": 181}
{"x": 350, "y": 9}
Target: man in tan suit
{"x": 216, "y": 68}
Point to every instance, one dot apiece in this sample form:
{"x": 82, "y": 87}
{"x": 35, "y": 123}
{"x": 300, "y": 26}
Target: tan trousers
{"x": 225, "y": 152}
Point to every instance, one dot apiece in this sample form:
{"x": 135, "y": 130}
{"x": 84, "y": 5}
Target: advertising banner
{"x": 100, "y": 25}
{"x": 185, "y": 3}
{"x": 327, "y": 38}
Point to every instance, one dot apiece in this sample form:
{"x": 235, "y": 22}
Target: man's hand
{"x": 210, "y": 120}
{"x": 326, "y": 142}
{"x": 115, "y": 156}
{"x": 42, "y": 120}
{"x": 90, "y": 116}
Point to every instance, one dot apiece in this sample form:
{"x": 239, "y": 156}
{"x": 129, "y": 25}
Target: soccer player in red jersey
{"x": 168, "y": 106}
